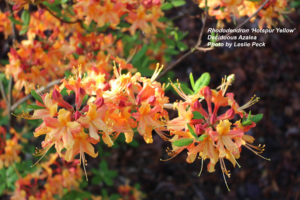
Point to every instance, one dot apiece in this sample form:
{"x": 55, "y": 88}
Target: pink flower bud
{"x": 207, "y": 93}
{"x": 77, "y": 115}
{"x": 99, "y": 102}
{"x": 197, "y": 105}
{"x": 229, "y": 114}
{"x": 56, "y": 95}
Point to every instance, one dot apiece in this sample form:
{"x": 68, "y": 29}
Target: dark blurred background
{"x": 271, "y": 73}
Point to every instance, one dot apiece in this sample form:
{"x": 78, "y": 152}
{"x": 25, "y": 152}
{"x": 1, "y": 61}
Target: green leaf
{"x": 23, "y": 30}
{"x": 25, "y": 17}
{"x": 36, "y": 96}
{"x": 186, "y": 89}
{"x": 192, "y": 131}
{"x": 248, "y": 121}
{"x": 2, "y": 188}
{"x": 192, "y": 81}
{"x": 256, "y": 118}
{"x": 177, "y": 3}
{"x": 183, "y": 142}
{"x": 64, "y": 92}
{"x": 197, "y": 115}
{"x": 35, "y": 107}
{"x": 2, "y": 77}
{"x": 295, "y": 4}
{"x": 202, "y": 137}
{"x": 74, "y": 195}
{"x": 252, "y": 118}
{"x": 137, "y": 58}
{"x": 201, "y": 82}
{"x": 3, "y": 120}
{"x": 13, "y": 20}
{"x": 167, "y": 6}
{"x": 182, "y": 46}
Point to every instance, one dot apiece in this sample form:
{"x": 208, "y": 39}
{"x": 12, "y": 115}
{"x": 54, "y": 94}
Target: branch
{"x": 251, "y": 16}
{"x": 206, "y": 47}
{"x": 9, "y": 94}
{"x": 60, "y": 19}
{"x": 203, "y": 25}
{"x": 189, "y": 52}
{"x": 3, "y": 92}
{"x": 9, "y": 100}
{"x": 41, "y": 89}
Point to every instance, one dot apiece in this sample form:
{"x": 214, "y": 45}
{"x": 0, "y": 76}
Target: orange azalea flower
{"x": 81, "y": 145}
{"x": 10, "y": 150}
{"x": 207, "y": 134}
{"x": 148, "y": 120}
{"x": 139, "y": 20}
{"x": 59, "y": 131}
{"x": 49, "y": 182}
{"x": 6, "y": 26}
{"x": 123, "y": 123}
{"x": 95, "y": 120}
{"x": 50, "y": 108}
{"x": 185, "y": 116}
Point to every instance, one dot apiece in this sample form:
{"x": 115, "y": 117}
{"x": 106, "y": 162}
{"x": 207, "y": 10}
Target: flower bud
{"x": 99, "y": 102}
{"x": 77, "y": 115}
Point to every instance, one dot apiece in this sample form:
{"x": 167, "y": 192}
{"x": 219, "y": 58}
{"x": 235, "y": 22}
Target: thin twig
{"x": 198, "y": 44}
{"x": 41, "y": 89}
{"x": 10, "y": 83}
{"x": 245, "y": 21}
{"x": 206, "y": 47}
{"x": 9, "y": 101}
{"x": 191, "y": 50}
{"x": 251, "y": 16}
{"x": 172, "y": 65}
{"x": 60, "y": 19}
{"x": 3, "y": 92}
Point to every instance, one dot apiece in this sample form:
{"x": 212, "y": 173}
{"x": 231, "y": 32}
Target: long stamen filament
{"x": 251, "y": 102}
{"x": 250, "y": 147}
{"x": 83, "y": 161}
{"x": 201, "y": 168}
{"x": 223, "y": 169}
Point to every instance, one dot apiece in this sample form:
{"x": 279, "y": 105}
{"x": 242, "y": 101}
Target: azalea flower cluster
{"x": 49, "y": 181}
{"x": 101, "y": 110}
{"x": 211, "y": 125}
{"x": 225, "y": 9}
{"x": 207, "y": 125}
{"x": 9, "y": 148}
{"x": 54, "y": 45}
{"x": 143, "y": 15}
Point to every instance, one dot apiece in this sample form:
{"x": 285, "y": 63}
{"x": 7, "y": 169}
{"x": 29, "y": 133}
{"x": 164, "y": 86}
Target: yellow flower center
{"x": 223, "y": 127}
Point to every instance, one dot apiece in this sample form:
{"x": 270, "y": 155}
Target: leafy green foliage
{"x": 172, "y": 3}
{"x": 36, "y": 96}
{"x": 26, "y": 19}
{"x": 10, "y": 175}
{"x": 252, "y": 118}
{"x": 103, "y": 175}
{"x": 197, "y": 115}
{"x": 183, "y": 142}
{"x": 201, "y": 82}
{"x": 76, "y": 195}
